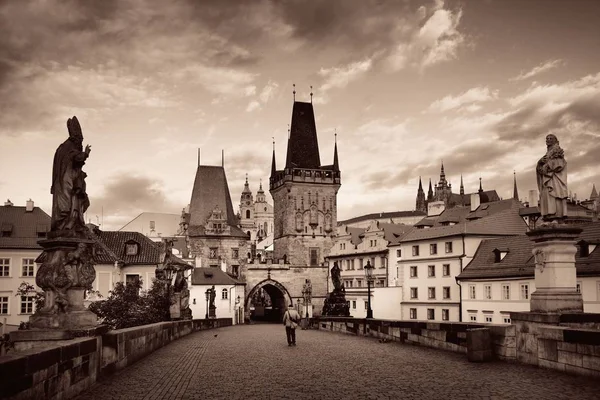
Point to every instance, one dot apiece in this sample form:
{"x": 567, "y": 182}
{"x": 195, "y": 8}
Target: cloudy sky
{"x": 406, "y": 84}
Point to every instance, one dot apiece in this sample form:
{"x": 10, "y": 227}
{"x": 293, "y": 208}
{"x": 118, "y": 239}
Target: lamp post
{"x": 237, "y": 309}
{"x": 369, "y": 274}
{"x": 207, "y": 293}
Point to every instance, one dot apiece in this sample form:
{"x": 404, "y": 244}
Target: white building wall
{"x": 226, "y": 308}
{"x": 9, "y": 285}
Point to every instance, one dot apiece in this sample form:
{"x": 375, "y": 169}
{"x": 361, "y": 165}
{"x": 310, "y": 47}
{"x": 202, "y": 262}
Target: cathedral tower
{"x": 304, "y": 195}
{"x": 421, "y": 204}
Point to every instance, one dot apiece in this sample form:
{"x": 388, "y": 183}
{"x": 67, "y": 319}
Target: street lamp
{"x": 207, "y": 293}
{"x": 369, "y": 274}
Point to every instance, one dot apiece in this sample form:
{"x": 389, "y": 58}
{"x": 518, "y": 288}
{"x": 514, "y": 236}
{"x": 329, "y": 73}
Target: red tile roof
{"x": 112, "y": 248}
{"x": 212, "y": 276}
{"x": 519, "y": 261}
{"x": 24, "y": 226}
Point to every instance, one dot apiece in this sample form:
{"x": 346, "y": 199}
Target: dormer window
{"x": 131, "y": 249}
{"x": 499, "y": 254}
{"x": 6, "y": 229}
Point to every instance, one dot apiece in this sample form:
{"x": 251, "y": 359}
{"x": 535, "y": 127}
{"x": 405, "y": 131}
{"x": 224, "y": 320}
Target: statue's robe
{"x": 552, "y": 184}
{"x": 69, "y": 198}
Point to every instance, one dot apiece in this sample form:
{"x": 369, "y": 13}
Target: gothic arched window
{"x": 248, "y": 214}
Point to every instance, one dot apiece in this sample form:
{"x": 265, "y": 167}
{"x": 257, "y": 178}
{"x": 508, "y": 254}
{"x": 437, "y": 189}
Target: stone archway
{"x": 272, "y": 309}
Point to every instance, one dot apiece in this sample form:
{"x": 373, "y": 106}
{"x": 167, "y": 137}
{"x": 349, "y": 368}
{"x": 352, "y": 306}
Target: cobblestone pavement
{"x": 254, "y": 361}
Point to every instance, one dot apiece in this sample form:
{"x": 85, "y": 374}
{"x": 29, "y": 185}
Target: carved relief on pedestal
{"x": 540, "y": 259}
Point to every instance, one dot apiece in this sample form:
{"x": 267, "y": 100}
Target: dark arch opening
{"x": 267, "y": 302}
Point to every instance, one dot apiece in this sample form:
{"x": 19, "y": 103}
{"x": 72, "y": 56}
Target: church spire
{"x": 420, "y": 186}
{"x": 480, "y": 187}
{"x": 430, "y": 192}
{"x": 421, "y": 204}
{"x": 246, "y": 186}
{"x": 442, "y": 173}
{"x": 303, "y": 147}
{"x": 336, "y": 164}
{"x": 594, "y": 194}
{"x": 515, "y": 191}
{"x": 462, "y": 187}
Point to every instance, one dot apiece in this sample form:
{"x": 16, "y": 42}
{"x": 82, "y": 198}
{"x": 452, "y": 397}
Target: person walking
{"x": 290, "y": 320}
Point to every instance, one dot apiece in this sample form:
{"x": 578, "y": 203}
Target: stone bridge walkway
{"x": 254, "y": 361}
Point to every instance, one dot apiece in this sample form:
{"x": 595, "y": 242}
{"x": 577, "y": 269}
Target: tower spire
{"x": 430, "y": 192}
{"x": 336, "y": 164}
{"x": 462, "y": 187}
{"x": 294, "y": 85}
{"x": 421, "y": 204}
{"x": 420, "y": 185}
{"x": 480, "y": 187}
{"x": 273, "y": 167}
{"x": 311, "y": 94}
{"x": 594, "y": 194}
{"x": 515, "y": 191}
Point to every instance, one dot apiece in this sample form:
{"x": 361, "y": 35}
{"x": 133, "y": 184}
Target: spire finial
{"x": 273, "y": 142}
{"x": 246, "y": 178}
{"x": 294, "y": 85}
{"x": 335, "y": 135}
{"x": 311, "y": 94}
{"x": 289, "y": 131}
{"x": 480, "y": 187}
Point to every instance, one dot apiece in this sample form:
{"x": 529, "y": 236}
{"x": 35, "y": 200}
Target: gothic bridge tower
{"x": 304, "y": 195}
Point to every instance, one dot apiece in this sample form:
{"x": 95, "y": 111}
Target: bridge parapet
{"x": 67, "y": 368}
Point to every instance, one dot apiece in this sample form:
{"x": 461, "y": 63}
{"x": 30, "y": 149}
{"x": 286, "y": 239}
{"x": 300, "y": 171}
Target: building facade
{"x": 20, "y": 229}
{"x": 229, "y": 296}
{"x": 501, "y": 277}
{"x": 427, "y": 259}
{"x": 256, "y": 216}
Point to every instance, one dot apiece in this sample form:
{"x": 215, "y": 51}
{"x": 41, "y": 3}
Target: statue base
{"x": 555, "y": 274}
{"x": 212, "y": 312}
{"x": 336, "y": 305}
{"x": 79, "y": 319}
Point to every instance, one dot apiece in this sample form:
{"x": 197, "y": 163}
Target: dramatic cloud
{"x": 537, "y": 70}
{"x": 474, "y": 95}
{"x": 266, "y": 94}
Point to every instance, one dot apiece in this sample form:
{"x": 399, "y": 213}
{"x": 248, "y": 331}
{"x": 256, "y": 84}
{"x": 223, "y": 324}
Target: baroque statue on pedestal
{"x": 551, "y": 173}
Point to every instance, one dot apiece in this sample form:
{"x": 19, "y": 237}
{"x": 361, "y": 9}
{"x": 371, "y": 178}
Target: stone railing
{"x": 69, "y": 367}
{"x": 479, "y": 342}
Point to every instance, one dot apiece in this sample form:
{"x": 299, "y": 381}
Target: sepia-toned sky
{"x": 406, "y": 84}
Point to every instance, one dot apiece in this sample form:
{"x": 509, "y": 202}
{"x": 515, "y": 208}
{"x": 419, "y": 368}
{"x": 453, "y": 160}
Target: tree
{"x": 126, "y": 307}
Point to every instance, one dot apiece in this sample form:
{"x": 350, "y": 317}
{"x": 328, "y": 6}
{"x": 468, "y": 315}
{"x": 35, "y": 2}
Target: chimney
{"x": 534, "y": 199}
{"x": 198, "y": 262}
{"x": 224, "y": 266}
{"x": 435, "y": 208}
{"x": 8, "y": 203}
{"x": 475, "y": 201}
{"x": 29, "y": 205}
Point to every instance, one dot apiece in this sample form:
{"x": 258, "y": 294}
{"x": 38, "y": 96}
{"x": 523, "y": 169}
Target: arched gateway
{"x": 271, "y": 309}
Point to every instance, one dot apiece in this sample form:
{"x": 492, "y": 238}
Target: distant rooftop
{"x": 382, "y": 215}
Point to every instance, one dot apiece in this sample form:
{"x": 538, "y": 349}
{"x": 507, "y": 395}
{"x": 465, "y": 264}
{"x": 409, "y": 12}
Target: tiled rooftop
{"x": 23, "y": 226}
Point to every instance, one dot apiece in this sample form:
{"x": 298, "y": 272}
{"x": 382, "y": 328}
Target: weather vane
{"x": 294, "y": 85}
{"x": 311, "y": 94}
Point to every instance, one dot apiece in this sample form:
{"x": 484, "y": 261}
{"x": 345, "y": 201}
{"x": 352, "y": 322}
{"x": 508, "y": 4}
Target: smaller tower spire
{"x": 462, "y": 187}
{"x": 515, "y": 191}
{"x": 294, "y": 85}
{"x": 430, "y": 192}
{"x": 273, "y": 167}
{"x": 594, "y": 194}
{"x": 480, "y": 187}
{"x": 223, "y": 158}
{"x": 420, "y": 185}
{"x": 442, "y": 173}
{"x": 336, "y": 164}
{"x": 311, "y": 94}
{"x": 260, "y": 189}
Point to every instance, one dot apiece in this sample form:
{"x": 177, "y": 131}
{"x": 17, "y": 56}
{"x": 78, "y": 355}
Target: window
{"x": 524, "y": 291}
{"x": 4, "y": 266}
{"x": 448, "y": 246}
{"x": 247, "y": 213}
{"x": 352, "y": 264}
{"x": 383, "y": 260}
{"x": 446, "y": 269}
{"x": 415, "y": 250}
{"x": 235, "y": 253}
{"x": 487, "y": 292}
{"x": 578, "y": 287}
{"x": 358, "y": 283}
{"x": 445, "y": 314}
{"x": 413, "y": 271}
{"x": 398, "y": 253}
{"x": 414, "y": 293}
{"x": 235, "y": 270}
{"x": 132, "y": 280}
{"x": 373, "y": 262}
{"x": 488, "y": 318}
{"x": 28, "y": 267}
{"x": 431, "y": 271}
{"x": 131, "y": 249}
{"x": 413, "y": 313}
{"x": 506, "y": 291}
{"x": 360, "y": 263}
{"x": 354, "y": 304}
{"x": 381, "y": 282}
{"x": 433, "y": 248}
{"x": 212, "y": 252}
{"x": 473, "y": 317}
{"x": 314, "y": 256}
{"x": 366, "y": 305}
{"x": 431, "y": 293}
{"x": 3, "y": 305}
{"x": 506, "y": 319}
{"x": 472, "y": 292}
{"x": 348, "y": 284}
{"x": 430, "y": 313}
{"x": 27, "y": 304}
{"x": 224, "y": 294}
{"x": 446, "y": 292}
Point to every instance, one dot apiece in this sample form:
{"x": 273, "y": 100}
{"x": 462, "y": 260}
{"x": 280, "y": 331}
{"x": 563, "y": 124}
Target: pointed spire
{"x": 246, "y": 186}
{"x": 420, "y": 185}
{"x": 515, "y": 191}
{"x": 336, "y": 164}
{"x": 311, "y": 94}
{"x": 442, "y": 173}
{"x": 480, "y": 187}
{"x": 294, "y": 85}
{"x": 260, "y": 189}
{"x": 430, "y": 192}
{"x": 273, "y": 167}
{"x": 594, "y": 194}
{"x": 462, "y": 187}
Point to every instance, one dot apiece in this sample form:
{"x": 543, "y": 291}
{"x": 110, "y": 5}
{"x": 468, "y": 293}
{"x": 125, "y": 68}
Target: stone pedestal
{"x": 554, "y": 250}
{"x": 336, "y": 304}
{"x": 212, "y": 312}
